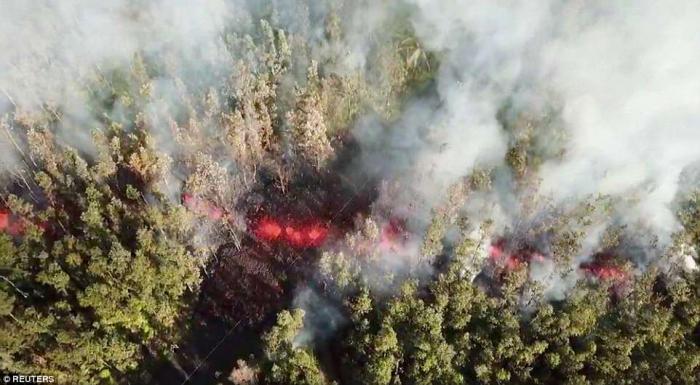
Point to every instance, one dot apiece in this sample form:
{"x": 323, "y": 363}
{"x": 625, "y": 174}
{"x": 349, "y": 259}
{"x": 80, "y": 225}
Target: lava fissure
{"x": 504, "y": 258}
{"x": 285, "y": 227}
{"x": 295, "y": 233}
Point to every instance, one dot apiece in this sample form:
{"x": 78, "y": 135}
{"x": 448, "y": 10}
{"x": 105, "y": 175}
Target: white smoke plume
{"x": 50, "y": 48}
{"x": 625, "y": 73}
{"x": 321, "y": 318}
{"x": 53, "y": 51}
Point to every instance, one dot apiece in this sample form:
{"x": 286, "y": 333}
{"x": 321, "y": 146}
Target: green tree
{"x": 286, "y": 362}
{"x": 98, "y": 276}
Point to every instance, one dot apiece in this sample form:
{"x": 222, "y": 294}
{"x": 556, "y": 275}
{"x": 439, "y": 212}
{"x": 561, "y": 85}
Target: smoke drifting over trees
{"x": 381, "y": 192}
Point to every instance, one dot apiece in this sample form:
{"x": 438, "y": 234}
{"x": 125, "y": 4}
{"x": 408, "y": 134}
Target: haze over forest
{"x": 344, "y": 192}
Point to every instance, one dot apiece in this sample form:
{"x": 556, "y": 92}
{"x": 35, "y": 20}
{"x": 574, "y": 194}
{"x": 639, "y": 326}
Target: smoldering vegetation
{"x": 366, "y": 192}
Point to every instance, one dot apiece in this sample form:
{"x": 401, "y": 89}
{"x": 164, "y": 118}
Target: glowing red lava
{"x": 496, "y": 251}
{"x": 297, "y": 234}
{"x": 4, "y": 220}
{"x": 603, "y": 272}
{"x": 295, "y": 237}
{"x": 393, "y": 235}
{"x": 316, "y": 233}
{"x": 12, "y": 225}
{"x": 498, "y": 255}
{"x": 267, "y": 229}
{"x": 202, "y": 207}
{"x": 605, "y": 266}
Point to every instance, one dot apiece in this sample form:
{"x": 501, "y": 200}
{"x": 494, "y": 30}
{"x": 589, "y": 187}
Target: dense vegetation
{"x": 451, "y": 332}
{"x": 104, "y": 247}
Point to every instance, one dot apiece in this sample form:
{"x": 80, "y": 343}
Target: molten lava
{"x": 12, "y": 225}
{"x": 267, "y": 229}
{"x": 511, "y": 260}
{"x": 496, "y": 251}
{"x": 294, "y": 233}
{"x": 4, "y": 220}
{"x": 316, "y": 234}
{"x": 603, "y": 272}
{"x": 202, "y": 207}
{"x": 393, "y": 235}
{"x": 294, "y": 236}
{"x": 605, "y": 267}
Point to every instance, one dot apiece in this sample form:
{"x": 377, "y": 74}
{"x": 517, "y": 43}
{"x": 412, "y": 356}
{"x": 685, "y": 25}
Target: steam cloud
{"x": 53, "y": 50}
{"x": 50, "y": 47}
{"x": 625, "y": 73}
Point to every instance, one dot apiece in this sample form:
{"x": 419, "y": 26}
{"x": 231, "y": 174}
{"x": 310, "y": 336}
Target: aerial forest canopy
{"x": 350, "y": 192}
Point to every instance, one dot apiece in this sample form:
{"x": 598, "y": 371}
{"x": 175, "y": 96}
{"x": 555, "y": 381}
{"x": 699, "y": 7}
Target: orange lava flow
{"x": 202, "y": 207}
{"x": 268, "y": 229}
{"x": 296, "y": 234}
{"x": 498, "y": 255}
{"x": 4, "y": 220}
{"x": 13, "y": 226}
{"x": 606, "y": 273}
{"x": 393, "y": 235}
